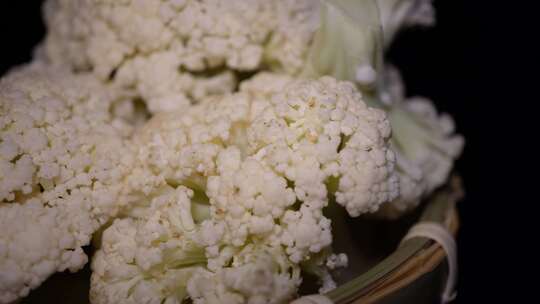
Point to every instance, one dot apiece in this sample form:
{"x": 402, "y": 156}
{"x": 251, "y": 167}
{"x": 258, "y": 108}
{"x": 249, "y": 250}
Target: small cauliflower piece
{"x": 151, "y": 256}
{"x": 258, "y": 274}
{"x": 425, "y": 144}
{"x": 62, "y": 165}
{"x": 349, "y": 46}
{"x": 157, "y": 255}
{"x": 37, "y": 241}
{"x": 319, "y": 131}
{"x": 321, "y": 266}
{"x": 177, "y": 52}
{"x": 313, "y": 140}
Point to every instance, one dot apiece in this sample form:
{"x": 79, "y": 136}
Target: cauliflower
{"x": 258, "y": 274}
{"x": 266, "y": 160}
{"x": 314, "y": 134}
{"x": 321, "y": 265}
{"x": 425, "y": 144}
{"x": 150, "y": 256}
{"x": 156, "y": 256}
{"x": 220, "y": 197}
{"x": 176, "y": 52}
{"x": 61, "y": 172}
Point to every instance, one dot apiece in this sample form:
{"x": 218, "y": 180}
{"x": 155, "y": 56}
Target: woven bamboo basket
{"x": 412, "y": 271}
{"x": 382, "y": 269}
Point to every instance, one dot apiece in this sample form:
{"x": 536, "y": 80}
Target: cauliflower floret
{"x": 62, "y": 165}
{"x": 149, "y": 257}
{"x": 176, "y": 52}
{"x": 321, "y": 265}
{"x": 248, "y": 196}
{"x": 181, "y": 147}
{"x": 37, "y": 241}
{"x": 426, "y": 148}
{"x": 425, "y": 144}
{"x": 258, "y": 274}
{"x": 157, "y": 256}
{"x": 313, "y": 135}
{"x": 317, "y": 132}
{"x": 269, "y": 161}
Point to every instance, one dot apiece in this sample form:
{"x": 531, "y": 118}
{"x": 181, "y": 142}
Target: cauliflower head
{"x": 349, "y": 46}
{"x": 308, "y": 139}
{"x": 149, "y": 256}
{"x": 157, "y": 255}
{"x": 265, "y": 162}
{"x": 221, "y": 197}
{"x": 62, "y": 164}
{"x": 175, "y": 52}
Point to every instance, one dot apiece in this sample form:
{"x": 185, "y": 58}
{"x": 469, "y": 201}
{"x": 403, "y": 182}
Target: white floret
{"x": 337, "y": 260}
{"x": 434, "y": 166}
{"x": 269, "y": 157}
{"x": 62, "y": 165}
{"x": 37, "y": 241}
{"x": 182, "y": 146}
{"x": 425, "y": 144}
{"x": 316, "y": 131}
{"x": 176, "y": 52}
{"x": 149, "y": 258}
{"x": 249, "y": 198}
{"x": 258, "y": 274}
{"x": 157, "y": 256}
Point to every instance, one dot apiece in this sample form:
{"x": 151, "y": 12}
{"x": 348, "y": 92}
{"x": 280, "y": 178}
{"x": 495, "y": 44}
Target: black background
{"x": 463, "y": 64}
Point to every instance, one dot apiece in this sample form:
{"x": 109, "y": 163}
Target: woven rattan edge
{"x": 422, "y": 263}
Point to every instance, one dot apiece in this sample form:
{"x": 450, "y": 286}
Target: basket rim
{"x": 410, "y": 261}
{"x": 425, "y": 261}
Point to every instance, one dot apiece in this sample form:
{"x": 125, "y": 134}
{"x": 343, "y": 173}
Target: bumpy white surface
{"x": 310, "y": 133}
{"x": 61, "y": 172}
{"x": 265, "y": 158}
{"x": 177, "y": 51}
{"x": 158, "y": 256}
{"x": 326, "y": 130}
{"x": 151, "y": 257}
{"x": 258, "y": 274}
